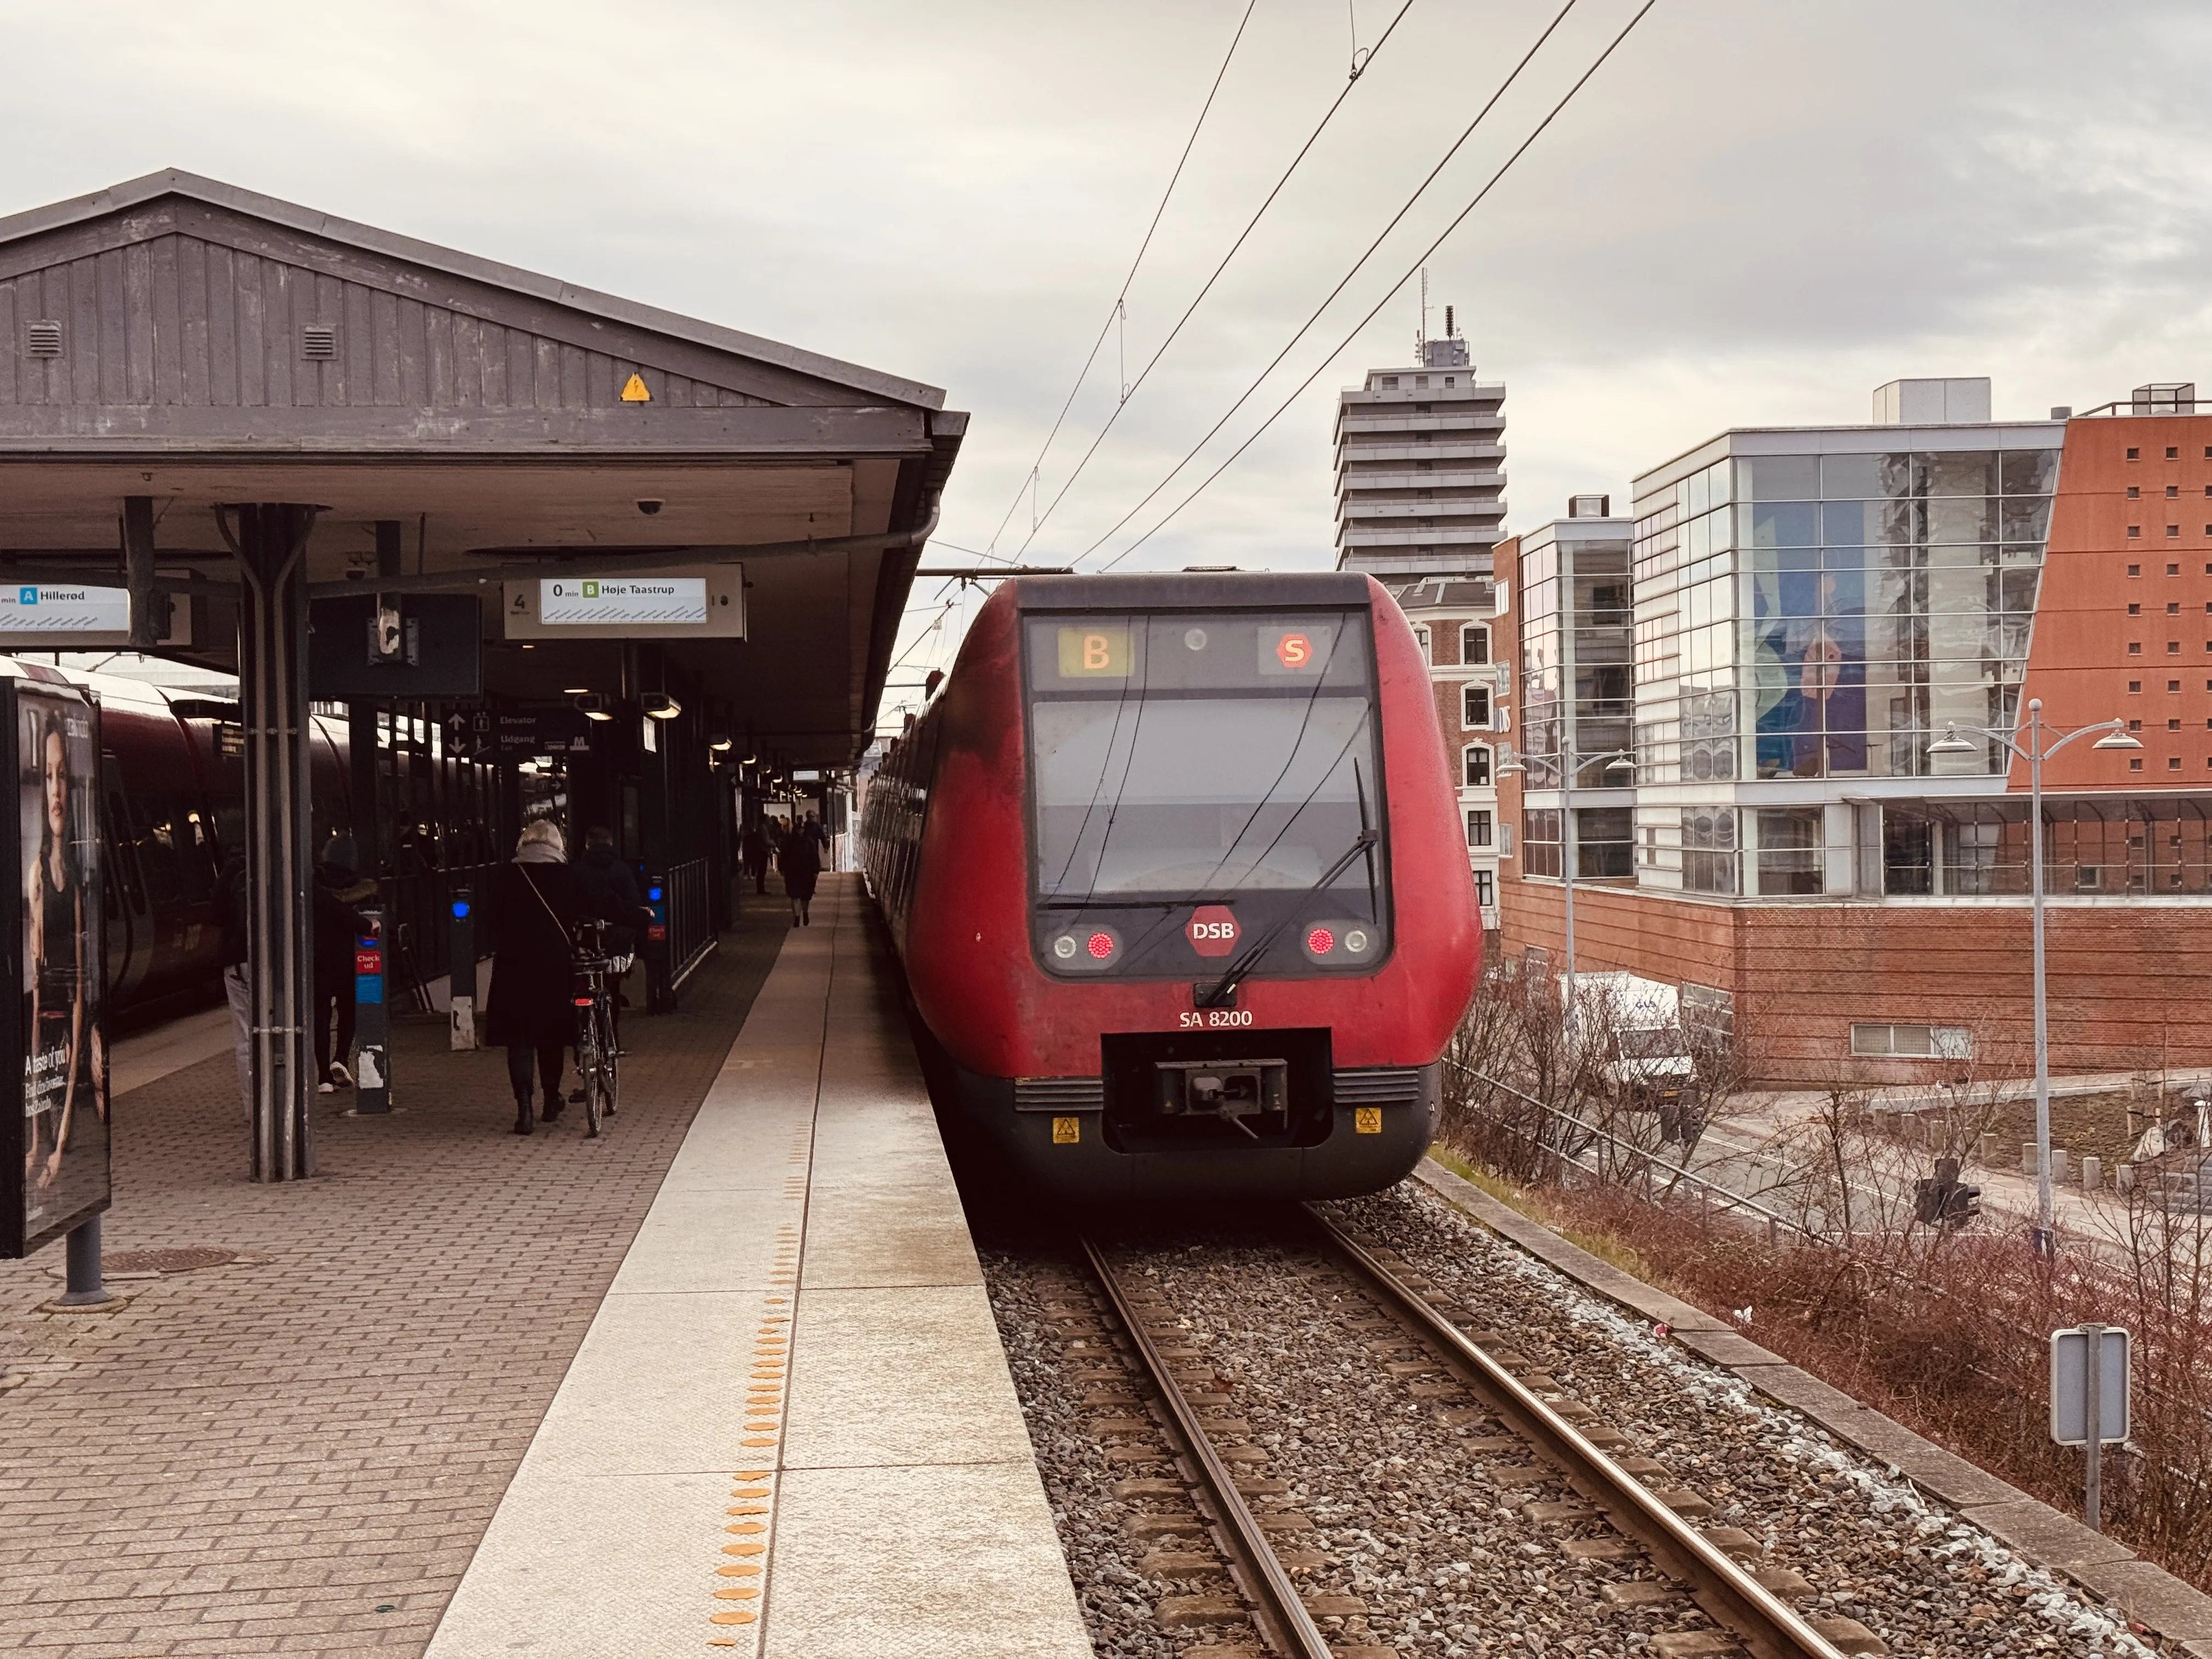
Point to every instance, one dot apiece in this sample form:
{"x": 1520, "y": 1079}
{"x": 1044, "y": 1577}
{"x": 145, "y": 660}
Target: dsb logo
{"x": 1212, "y": 930}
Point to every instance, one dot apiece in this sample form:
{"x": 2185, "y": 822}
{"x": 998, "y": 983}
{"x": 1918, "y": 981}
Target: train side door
{"x": 129, "y": 942}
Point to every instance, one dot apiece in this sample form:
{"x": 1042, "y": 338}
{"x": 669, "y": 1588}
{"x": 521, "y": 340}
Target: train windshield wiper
{"x": 1216, "y": 995}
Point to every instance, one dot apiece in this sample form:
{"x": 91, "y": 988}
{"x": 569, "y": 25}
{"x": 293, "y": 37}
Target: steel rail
{"x": 1767, "y": 1624}
{"x": 1280, "y": 1611}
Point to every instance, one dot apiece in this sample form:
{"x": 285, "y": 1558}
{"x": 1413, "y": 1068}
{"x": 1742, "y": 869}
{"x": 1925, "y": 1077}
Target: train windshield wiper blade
{"x": 1212, "y": 996}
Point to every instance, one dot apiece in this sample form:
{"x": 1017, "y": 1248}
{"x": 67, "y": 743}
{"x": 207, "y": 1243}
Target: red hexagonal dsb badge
{"x": 1212, "y": 930}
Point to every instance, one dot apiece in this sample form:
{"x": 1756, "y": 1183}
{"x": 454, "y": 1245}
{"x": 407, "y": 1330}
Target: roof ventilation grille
{"x": 318, "y": 343}
{"x": 43, "y": 340}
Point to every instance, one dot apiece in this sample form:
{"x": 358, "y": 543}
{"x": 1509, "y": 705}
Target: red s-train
{"x": 1175, "y": 870}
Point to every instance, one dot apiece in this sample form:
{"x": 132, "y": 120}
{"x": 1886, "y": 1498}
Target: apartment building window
{"x": 1709, "y": 850}
{"x": 1474, "y": 708}
{"x": 1539, "y": 841}
{"x": 2134, "y": 530}
{"x": 2173, "y": 569}
{"x": 1474, "y": 765}
{"x": 1486, "y": 889}
{"x": 1474, "y": 645}
{"x": 1913, "y": 1042}
{"x": 2135, "y": 570}
{"x": 1477, "y": 828}
{"x": 2135, "y": 610}
{"x": 2173, "y": 491}
{"x": 2173, "y": 530}
{"x": 1421, "y": 639}
{"x": 1605, "y": 841}
{"x": 1791, "y": 855}
{"x": 2134, "y": 454}
{"x": 2171, "y": 454}
{"x": 2134, "y": 492}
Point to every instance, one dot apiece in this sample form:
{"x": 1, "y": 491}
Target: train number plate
{"x": 1205, "y": 1019}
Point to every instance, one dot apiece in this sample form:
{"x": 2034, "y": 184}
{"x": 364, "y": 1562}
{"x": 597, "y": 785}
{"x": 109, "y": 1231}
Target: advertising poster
{"x": 59, "y": 1152}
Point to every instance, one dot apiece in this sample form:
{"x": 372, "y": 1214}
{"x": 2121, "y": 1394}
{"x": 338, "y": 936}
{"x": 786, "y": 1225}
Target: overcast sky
{"x": 1755, "y": 213}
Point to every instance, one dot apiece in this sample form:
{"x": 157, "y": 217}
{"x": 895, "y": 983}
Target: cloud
{"x": 1753, "y": 213}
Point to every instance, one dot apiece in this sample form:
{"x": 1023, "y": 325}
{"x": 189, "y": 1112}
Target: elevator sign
{"x": 701, "y": 603}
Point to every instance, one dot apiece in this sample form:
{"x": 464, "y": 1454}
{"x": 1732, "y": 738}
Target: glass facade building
{"x": 1811, "y": 608}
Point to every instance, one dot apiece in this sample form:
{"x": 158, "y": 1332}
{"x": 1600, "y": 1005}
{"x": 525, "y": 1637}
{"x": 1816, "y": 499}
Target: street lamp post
{"x": 1571, "y": 763}
{"x": 1951, "y": 742}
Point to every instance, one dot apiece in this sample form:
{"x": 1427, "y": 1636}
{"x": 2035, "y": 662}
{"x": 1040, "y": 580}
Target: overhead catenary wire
{"x": 1122, "y": 294}
{"x": 1343, "y": 282}
{"x": 1129, "y": 389}
{"x": 1319, "y": 368}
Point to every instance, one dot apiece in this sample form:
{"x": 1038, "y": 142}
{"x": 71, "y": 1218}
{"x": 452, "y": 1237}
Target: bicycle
{"x": 592, "y": 991}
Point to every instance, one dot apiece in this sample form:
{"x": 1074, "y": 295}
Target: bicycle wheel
{"x": 588, "y": 1063}
{"x": 609, "y": 1057}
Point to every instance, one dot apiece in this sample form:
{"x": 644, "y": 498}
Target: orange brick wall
{"x": 2127, "y": 984}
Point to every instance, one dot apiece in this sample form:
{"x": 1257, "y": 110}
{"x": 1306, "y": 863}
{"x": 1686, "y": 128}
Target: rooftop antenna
{"x": 1450, "y": 333}
{"x": 1421, "y": 335}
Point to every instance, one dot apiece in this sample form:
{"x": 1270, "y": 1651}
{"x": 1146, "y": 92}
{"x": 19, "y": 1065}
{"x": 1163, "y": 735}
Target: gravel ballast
{"x": 1415, "y": 1519}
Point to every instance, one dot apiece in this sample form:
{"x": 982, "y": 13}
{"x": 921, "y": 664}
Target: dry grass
{"x": 1947, "y": 1333}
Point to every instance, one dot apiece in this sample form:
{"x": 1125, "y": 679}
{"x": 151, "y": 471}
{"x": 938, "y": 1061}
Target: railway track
{"x": 1615, "y": 1511}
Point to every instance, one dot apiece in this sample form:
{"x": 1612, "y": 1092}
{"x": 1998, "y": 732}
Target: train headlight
{"x": 1085, "y": 948}
{"x": 1342, "y": 942}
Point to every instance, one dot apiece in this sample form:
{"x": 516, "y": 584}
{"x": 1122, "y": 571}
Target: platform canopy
{"x": 182, "y": 339}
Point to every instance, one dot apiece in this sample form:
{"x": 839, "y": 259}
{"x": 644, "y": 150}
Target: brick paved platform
{"x": 791, "y": 1432}
{"x": 299, "y": 1453}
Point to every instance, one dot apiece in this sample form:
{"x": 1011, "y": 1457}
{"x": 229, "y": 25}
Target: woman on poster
{"x": 59, "y": 969}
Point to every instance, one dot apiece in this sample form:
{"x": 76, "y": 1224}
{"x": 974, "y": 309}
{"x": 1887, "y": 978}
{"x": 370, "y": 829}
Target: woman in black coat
{"x": 799, "y": 860}
{"x": 532, "y": 1015}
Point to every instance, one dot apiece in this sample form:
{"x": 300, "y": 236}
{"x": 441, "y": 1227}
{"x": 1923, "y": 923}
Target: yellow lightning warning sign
{"x": 635, "y": 390}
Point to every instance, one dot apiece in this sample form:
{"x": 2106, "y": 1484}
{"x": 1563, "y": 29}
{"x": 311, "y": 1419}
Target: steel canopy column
{"x": 272, "y": 539}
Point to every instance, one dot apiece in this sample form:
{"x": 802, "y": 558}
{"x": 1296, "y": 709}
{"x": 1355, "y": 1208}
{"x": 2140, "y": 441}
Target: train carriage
{"x": 1174, "y": 866}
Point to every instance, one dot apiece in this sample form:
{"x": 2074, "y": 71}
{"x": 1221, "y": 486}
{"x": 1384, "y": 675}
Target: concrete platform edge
{"x": 2164, "y": 1606}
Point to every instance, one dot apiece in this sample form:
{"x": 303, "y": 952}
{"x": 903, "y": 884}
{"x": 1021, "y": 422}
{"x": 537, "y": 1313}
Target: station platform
{"x": 466, "y": 1393}
{"x": 790, "y": 1430}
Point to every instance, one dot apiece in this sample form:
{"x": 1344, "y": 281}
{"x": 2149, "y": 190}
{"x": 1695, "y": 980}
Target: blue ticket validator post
{"x": 372, "y": 1026}
{"x": 461, "y": 971}
{"x": 659, "y": 975}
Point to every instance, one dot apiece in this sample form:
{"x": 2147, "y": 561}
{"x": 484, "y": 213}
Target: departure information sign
{"x": 700, "y": 602}
{"x": 572, "y": 601}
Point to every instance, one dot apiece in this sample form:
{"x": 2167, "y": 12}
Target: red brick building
{"x": 1812, "y": 611}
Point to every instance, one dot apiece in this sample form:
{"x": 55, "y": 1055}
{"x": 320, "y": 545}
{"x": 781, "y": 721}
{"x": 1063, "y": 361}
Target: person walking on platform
{"x": 539, "y": 899}
{"x": 752, "y": 847}
{"x": 816, "y": 832}
{"x": 800, "y": 862}
{"x": 338, "y": 891}
{"x": 610, "y": 890}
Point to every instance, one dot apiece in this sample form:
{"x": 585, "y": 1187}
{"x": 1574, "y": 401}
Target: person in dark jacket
{"x": 539, "y": 900}
{"x": 230, "y": 911}
{"x": 800, "y": 862}
{"x": 340, "y": 889}
{"x": 610, "y": 889}
{"x": 754, "y": 850}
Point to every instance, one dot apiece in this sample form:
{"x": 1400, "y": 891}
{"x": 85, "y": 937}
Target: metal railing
{"x": 690, "y": 918}
{"x": 1731, "y": 1200}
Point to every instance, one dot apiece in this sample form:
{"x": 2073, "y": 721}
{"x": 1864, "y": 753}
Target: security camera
{"x": 649, "y": 508}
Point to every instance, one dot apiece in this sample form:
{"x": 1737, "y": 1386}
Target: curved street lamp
{"x": 2034, "y": 751}
{"x": 1571, "y": 766}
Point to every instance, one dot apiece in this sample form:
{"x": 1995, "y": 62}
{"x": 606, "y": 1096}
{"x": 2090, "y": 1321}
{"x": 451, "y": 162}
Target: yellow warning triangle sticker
{"x": 635, "y": 391}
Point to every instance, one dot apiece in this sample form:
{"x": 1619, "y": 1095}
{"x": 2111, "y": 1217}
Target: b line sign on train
{"x": 704, "y": 602}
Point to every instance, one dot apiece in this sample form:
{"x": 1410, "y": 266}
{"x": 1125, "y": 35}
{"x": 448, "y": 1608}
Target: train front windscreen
{"x": 1206, "y": 795}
